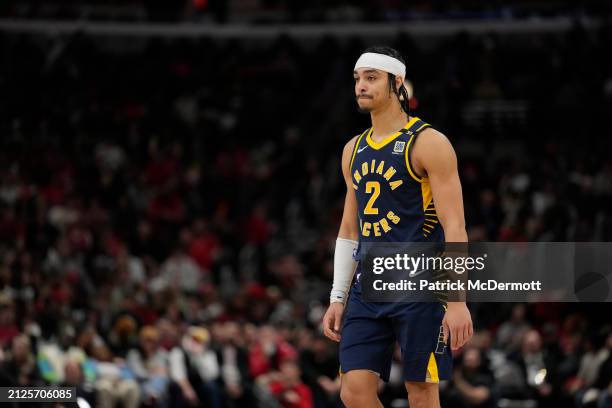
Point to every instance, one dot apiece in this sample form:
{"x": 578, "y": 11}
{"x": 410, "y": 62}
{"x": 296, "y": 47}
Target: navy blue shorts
{"x": 370, "y": 330}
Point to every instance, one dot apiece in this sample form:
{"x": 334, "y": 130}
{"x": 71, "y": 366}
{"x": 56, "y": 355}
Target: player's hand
{"x": 332, "y": 321}
{"x": 458, "y": 323}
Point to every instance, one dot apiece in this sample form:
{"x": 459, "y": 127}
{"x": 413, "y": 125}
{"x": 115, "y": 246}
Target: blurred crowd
{"x": 168, "y": 212}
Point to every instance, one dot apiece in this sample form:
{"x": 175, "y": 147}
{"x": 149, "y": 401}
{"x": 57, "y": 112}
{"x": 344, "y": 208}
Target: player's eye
{"x": 371, "y": 78}
{"x": 355, "y": 79}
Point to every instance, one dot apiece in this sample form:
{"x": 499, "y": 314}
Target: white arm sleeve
{"x": 344, "y": 269}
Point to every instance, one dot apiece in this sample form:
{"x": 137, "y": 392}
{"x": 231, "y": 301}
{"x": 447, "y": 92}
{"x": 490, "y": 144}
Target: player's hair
{"x": 404, "y": 100}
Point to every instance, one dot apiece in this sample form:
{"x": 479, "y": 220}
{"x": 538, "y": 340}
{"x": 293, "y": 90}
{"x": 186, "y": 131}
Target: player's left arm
{"x": 434, "y": 156}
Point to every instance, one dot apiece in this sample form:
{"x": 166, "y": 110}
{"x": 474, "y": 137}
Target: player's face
{"x": 371, "y": 88}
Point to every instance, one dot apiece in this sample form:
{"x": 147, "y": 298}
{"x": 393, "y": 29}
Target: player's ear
{"x": 399, "y": 82}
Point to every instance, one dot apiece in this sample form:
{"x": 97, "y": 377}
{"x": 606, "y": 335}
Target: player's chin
{"x": 363, "y": 105}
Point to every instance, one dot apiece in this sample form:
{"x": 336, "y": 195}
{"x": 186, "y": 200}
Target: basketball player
{"x": 402, "y": 186}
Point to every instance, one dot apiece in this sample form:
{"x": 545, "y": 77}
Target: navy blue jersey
{"x": 394, "y": 204}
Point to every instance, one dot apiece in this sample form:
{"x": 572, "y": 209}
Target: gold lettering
{"x": 357, "y": 176}
{"x": 366, "y": 229}
{"x": 385, "y": 225}
{"x": 389, "y": 173}
{"x": 364, "y": 168}
{"x": 376, "y": 229}
{"x": 395, "y": 184}
{"x": 392, "y": 217}
{"x": 381, "y": 167}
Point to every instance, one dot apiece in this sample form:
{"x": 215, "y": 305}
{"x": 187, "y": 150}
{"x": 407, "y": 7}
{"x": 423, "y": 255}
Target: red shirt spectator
{"x": 289, "y": 389}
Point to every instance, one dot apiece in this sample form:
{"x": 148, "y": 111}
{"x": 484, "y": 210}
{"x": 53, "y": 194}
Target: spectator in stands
{"x": 229, "y": 344}
{"x": 123, "y": 336}
{"x": 539, "y": 369}
{"x": 319, "y": 365}
{"x": 73, "y": 377}
{"x": 195, "y": 369}
{"x": 473, "y": 381}
{"x": 115, "y": 381}
{"x": 509, "y": 381}
{"x": 8, "y": 326}
{"x": 19, "y": 365}
{"x": 180, "y": 271}
{"x": 511, "y": 332}
{"x": 287, "y": 387}
{"x": 149, "y": 365}
{"x": 268, "y": 351}
{"x": 602, "y": 387}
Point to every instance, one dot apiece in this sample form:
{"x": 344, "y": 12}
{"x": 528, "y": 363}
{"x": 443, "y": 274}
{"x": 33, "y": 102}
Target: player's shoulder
{"x": 433, "y": 148}
{"x": 431, "y": 138}
{"x": 347, "y": 152}
{"x": 350, "y": 145}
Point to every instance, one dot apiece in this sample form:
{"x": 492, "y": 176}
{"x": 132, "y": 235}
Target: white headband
{"x": 382, "y": 62}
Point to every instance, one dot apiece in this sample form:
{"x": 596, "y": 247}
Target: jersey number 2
{"x": 374, "y": 188}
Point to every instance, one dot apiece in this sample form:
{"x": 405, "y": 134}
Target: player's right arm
{"x": 344, "y": 264}
{"x": 348, "y": 227}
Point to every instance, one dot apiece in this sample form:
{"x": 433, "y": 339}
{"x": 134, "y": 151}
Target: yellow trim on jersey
{"x": 429, "y": 210}
{"x": 408, "y": 166}
{"x": 421, "y": 127}
{"x": 357, "y": 147}
{"x": 377, "y": 145}
{"x": 426, "y": 193}
{"x": 432, "y": 370}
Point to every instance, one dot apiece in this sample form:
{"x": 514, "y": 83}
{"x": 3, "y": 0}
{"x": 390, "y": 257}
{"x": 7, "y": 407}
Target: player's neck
{"x": 387, "y": 122}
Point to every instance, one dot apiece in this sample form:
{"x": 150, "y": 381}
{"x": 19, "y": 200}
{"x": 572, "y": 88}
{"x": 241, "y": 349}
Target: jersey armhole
{"x": 421, "y": 126}
{"x": 355, "y": 149}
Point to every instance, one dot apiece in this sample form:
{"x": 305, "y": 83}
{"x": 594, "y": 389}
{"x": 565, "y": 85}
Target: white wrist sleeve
{"x": 344, "y": 269}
